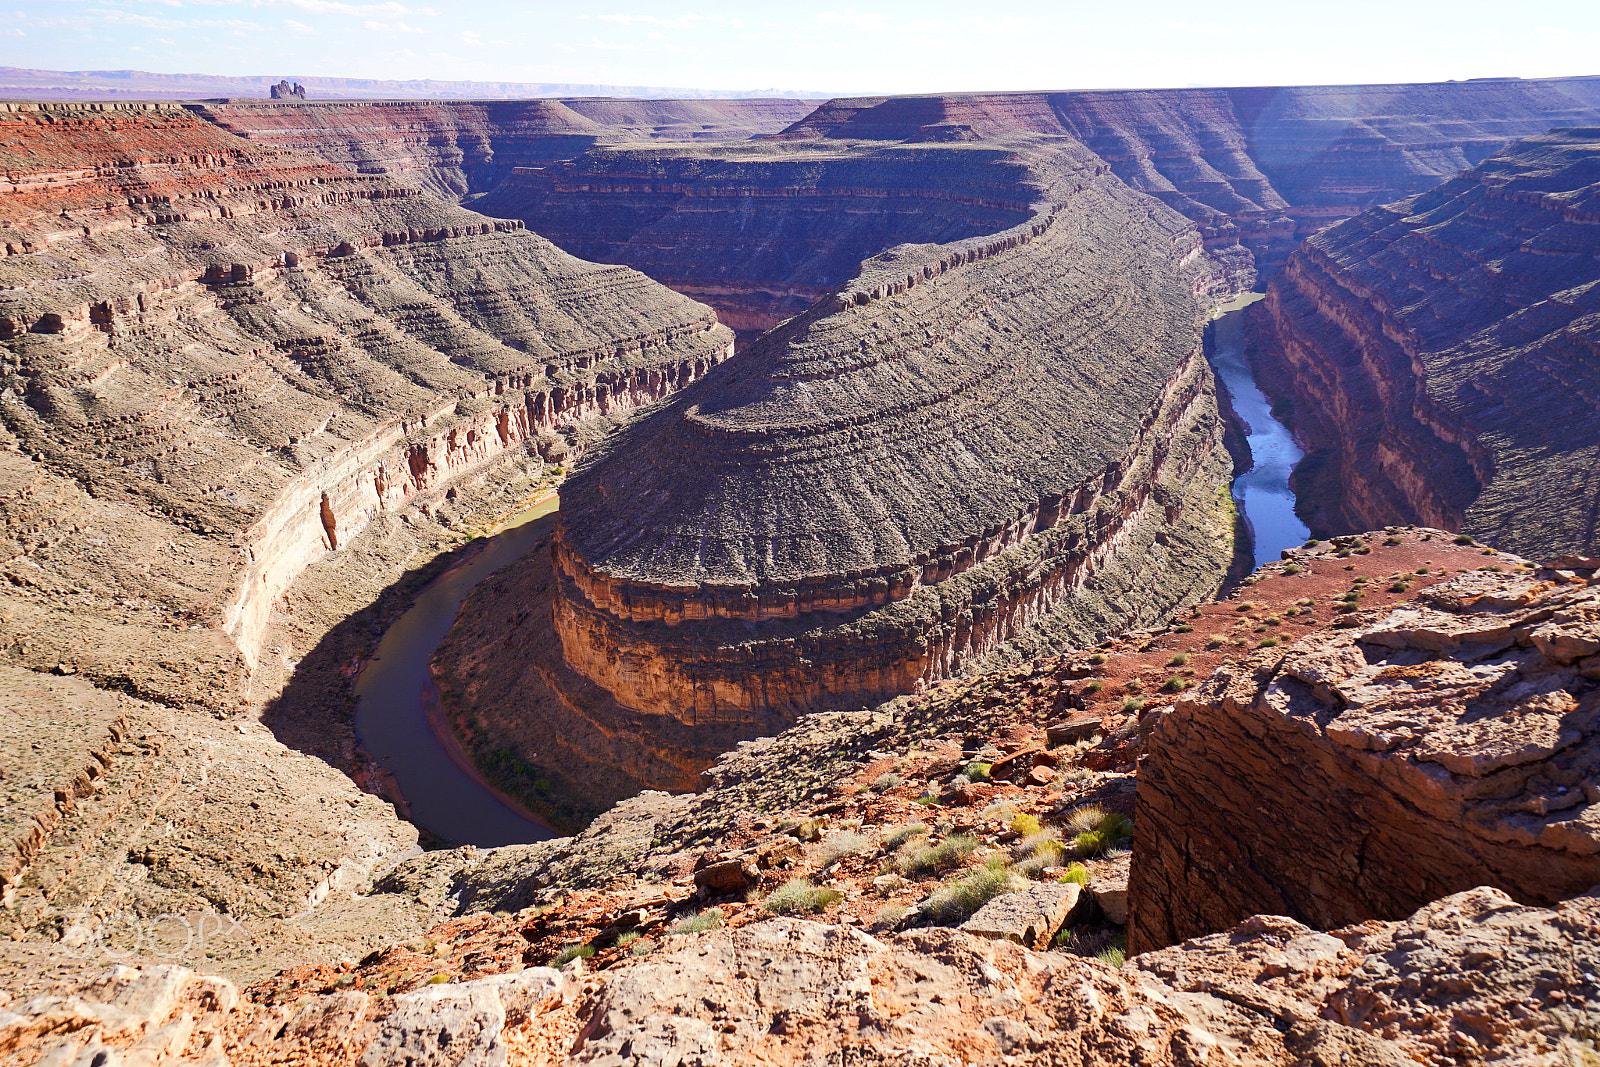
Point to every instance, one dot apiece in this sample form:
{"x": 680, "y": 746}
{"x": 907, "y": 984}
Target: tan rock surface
{"x": 1445, "y": 744}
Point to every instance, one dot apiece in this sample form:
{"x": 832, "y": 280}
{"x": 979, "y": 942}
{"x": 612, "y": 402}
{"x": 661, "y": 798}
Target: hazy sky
{"x": 818, "y": 46}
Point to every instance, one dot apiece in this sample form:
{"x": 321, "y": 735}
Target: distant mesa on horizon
{"x": 70, "y": 85}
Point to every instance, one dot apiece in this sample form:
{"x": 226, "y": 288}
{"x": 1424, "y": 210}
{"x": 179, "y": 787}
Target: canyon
{"x": 1412, "y": 345}
{"x": 913, "y": 600}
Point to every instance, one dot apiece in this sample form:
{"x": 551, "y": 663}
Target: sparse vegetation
{"x": 1185, "y": 628}
{"x": 1391, "y": 540}
{"x": 1132, "y": 704}
{"x": 947, "y": 855}
{"x": 956, "y": 901}
{"x": 1093, "y": 687}
{"x": 1267, "y": 642}
{"x": 1098, "y": 658}
{"x": 1176, "y": 685}
{"x": 1293, "y": 568}
{"x": 1464, "y": 539}
{"x": 842, "y": 844}
{"x": 698, "y": 922}
{"x": 901, "y": 834}
{"x": 978, "y": 771}
{"x": 1076, "y": 873}
{"x": 572, "y": 952}
{"x": 1179, "y": 660}
{"x": 798, "y": 896}
{"x": 1025, "y": 825}
{"x": 886, "y": 781}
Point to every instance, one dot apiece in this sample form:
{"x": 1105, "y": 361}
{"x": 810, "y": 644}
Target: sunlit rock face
{"x": 1438, "y": 355}
{"x": 963, "y": 441}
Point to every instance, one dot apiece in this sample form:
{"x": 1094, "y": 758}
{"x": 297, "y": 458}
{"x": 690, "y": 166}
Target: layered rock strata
{"x": 793, "y": 991}
{"x": 1438, "y": 355}
{"x": 761, "y": 231}
{"x": 962, "y": 441}
{"x": 223, "y": 365}
{"x": 1261, "y": 167}
{"x": 461, "y": 149}
{"x": 1444, "y": 745}
{"x": 262, "y": 351}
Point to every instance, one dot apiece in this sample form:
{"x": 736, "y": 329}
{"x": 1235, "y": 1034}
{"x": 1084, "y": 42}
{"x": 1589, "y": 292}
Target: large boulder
{"x": 1362, "y": 773}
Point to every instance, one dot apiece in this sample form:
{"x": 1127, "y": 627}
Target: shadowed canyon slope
{"x": 966, "y": 440}
{"x": 223, "y": 363}
{"x": 758, "y": 233}
{"x": 466, "y": 148}
{"x": 1440, "y": 354}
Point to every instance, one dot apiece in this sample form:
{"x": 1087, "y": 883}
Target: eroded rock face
{"x": 465, "y": 148}
{"x": 1439, "y": 354}
{"x": 1474, "y": 975}
{"x": 960, "y": 442}
{"x": 1450, "y": 743}
{"x": 223, "y": 365}
{"x": 251, "y": 354}
{"x": 1256, "y": 168}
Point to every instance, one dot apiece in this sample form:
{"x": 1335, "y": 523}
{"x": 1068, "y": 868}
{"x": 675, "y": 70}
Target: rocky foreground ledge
{"x": 795, "y": 991}
{"x": 913, "y": 884}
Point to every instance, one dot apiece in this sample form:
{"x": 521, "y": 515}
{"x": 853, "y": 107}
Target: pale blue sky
{"x": 832, "y": 48}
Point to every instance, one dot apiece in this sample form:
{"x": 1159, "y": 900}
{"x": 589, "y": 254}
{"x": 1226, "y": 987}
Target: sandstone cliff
{"x": 957, "y": 444}
{"x": 223, "y": 365}
{"x": 1260, "y": 168}
{"x": 1436, "y": 747}
{"x": 1437, "y": 355}
{"x": 461, "y": 149}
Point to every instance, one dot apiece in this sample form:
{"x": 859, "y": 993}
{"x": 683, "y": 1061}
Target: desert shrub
{"x": 1463, "y": 539}
{"x": 1399, "y": 587}
{"x": 1176, "y": 685}
{"x": 1025, "y": 825}
{"x": 901, "y": 834}
{"x": 1313, "y": 543}
{"x": 1272, "y": 620}
{"x": 1132, "y": 704}
{"x": 1185, "y": 628}
{"x": 1111, "y": 831}
{"x": 1098, "y": 658}
{"x": 1391, "y": 540}
{"x": 1180, "y": 660}
{"x": 978, "y": 771}
{"x": 1076, "y": 873}
{"x": 641, "y": 948}
{"x": 1094, "y": 687}
{"x": 698, "y": 922}
{"x": 1216, "y": 641}
{"x": 956, "y": 901}
{"x": 1113, "y": 956}
{"x": 1267, "y": 642}
{"x": 570, "y": 953}
{"x": 886, "y": 781}
{"x": 947, "y": 855}
{"x": 1085, "y": 818}
{"x": 628, "y": 937}
{"x": 889, "y": 916}
{"x": 798, "y": 896}
{"x": 999, "y": 809}
{"x": 1293, "y": 568}
{"x": 842, "y": 844}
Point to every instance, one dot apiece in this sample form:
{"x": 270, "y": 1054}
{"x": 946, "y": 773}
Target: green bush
{"x": 1175, "y": 685}
{"x": 1093, "y": 687}
{"x": 1085, "y": 818}
{"x": 955, "y": 902}
{"x": 572, "y": 952}
{"x": 698, "y": 921}
{"x": 978, "y": 770}
{"x": 1464, "y": 539}
{"x": 798, "y": 896}
{"x": 1025, "y": 825}
{"x": 1076, "y": 873}
{"x": 901, "y": 834}
{"x": 1180, "y": 660}
{"x": 947, "y": 855}
{"x": 1185, "y": 629}
{"x": 1098, "y": 658}
{"x": 1293, "y": 568}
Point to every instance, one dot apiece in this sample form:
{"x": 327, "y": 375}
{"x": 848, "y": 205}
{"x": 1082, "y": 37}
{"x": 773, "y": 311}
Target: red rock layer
{"x": 1439, "y": 355}
{"x": 1446, "y": 744}
{"x": 462, "y": 148}
{"x": 958, "y": 443}
{"x": 1258, "y": 167}
{"x": 267, "y": 350}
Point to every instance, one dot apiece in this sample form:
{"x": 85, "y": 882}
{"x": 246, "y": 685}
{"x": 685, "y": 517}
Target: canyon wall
{"x": 265, "y": 350}
{"x": 1446, "y": 744}
{"x": 759, "y": 230}
{"x": 1262, "y": 167}
{"x": 1436, "y": 357}
{"x": 961, "y": 441}
{"x": 460, "y": 149}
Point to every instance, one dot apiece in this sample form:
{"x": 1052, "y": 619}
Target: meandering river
{"x": 395, "y": 691}
{"x": 1263, "y": 491}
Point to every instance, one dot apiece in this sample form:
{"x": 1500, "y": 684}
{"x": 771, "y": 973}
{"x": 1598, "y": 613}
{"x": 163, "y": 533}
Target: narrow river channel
{"x": 395, "y": 691}
{"x": 1263, "y": 491}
